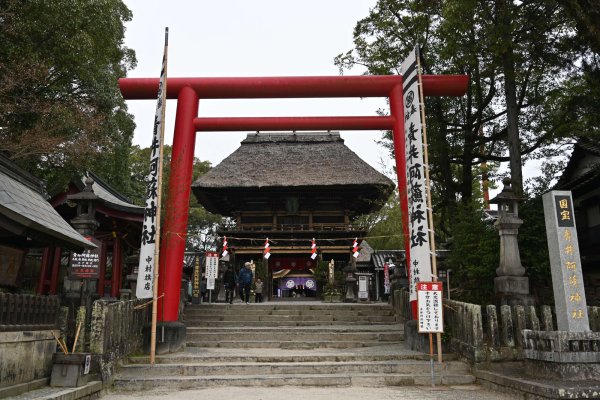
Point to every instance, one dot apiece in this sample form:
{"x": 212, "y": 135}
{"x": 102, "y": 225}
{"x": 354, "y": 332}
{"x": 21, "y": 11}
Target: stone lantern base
{"x": 512, "y": 291}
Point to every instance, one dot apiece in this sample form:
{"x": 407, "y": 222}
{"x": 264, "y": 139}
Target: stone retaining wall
{"x": 25, "y": 356}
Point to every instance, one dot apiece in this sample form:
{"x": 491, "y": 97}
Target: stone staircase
{"x": 290, "y": 344}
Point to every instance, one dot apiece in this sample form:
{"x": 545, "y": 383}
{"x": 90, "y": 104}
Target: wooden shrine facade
{"x": 292, "y": 188}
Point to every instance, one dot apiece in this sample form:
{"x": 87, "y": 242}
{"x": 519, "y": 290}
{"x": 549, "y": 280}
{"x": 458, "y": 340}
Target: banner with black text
{"x": 420, "y": 249}
{"x": 145, "y": 278}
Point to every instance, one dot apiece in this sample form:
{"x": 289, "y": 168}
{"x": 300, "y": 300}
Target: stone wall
{"x": 116, "y": 332}
{"x": 25, "y": 356}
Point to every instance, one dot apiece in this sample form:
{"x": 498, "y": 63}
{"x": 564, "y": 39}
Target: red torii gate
{"x": 189, "y": 91}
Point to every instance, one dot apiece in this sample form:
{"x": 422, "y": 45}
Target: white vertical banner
{"x": 151, "y": 226}
{"x": 420, "y": 249}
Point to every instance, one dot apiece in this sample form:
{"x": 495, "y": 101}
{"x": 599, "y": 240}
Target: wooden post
{"x": 55, "y": 270}
{"x": 429, "y": 206}
{"x": 158, "y": 209}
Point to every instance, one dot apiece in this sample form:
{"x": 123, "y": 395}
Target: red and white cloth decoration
{"x": 355, "y": 248}
{"x": 267, "y": 252}
{"x": 313, "y": 249}
{"x": 225, "y": 252}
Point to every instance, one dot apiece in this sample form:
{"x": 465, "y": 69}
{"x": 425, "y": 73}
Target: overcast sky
{"x": 249, "y": 38}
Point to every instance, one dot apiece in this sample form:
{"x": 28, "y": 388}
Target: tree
{"x": 61, "y": 112}
{"x": 474, "y": 255}
{"x": 384, "y": 226}
{"x": 513, "y": 53}
{"x": 202, "y": 225}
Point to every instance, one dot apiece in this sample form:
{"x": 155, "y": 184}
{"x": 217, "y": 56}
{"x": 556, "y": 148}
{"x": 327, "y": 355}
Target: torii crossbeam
{"x": 189, "y": 91}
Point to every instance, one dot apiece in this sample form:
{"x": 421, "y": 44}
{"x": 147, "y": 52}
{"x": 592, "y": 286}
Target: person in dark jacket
{"x": 245, "y": 281}
{"x": 229, "y": 282}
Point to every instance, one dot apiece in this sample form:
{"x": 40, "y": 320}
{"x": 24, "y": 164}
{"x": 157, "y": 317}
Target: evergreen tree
{"x": 61, "y": 112}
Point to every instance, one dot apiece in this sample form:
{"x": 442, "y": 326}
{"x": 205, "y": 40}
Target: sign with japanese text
{"x": 565, "y": 262}
{"x": 196, "y": 279}
{"x": 145, "y": 279}
{"x": 429, "y": 307}
{"x": 363, "y": 288}
{"x": 212, "y": 269}
{"x": 85, "y": 265}
{"x": 420, "y": 248}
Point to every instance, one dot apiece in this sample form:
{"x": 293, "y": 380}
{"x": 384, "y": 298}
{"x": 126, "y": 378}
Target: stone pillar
{"x": 350, "y": 278}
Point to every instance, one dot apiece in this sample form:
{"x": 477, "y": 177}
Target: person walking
{"x": 245, "y": 281}
{"x": 229, "y": 282}
{"x": 258, "y": 289}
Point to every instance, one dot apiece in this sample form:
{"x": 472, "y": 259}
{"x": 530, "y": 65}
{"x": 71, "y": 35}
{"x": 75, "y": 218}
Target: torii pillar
{"x": 189, "y": 91}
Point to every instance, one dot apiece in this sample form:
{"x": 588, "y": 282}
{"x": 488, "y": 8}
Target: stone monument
{"x": 511, "y": 286}
{"x": 572, "y": 352}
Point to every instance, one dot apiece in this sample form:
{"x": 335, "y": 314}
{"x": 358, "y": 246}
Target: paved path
{"x": 318, "y": 393}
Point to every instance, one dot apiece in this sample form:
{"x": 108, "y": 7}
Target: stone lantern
{"x": 77, "y": 287}
{"x": 85, "y": 221}
{"x": 511, "y": 286}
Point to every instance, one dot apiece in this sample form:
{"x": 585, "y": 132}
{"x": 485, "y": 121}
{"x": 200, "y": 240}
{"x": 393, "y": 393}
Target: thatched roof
{"x": 288, "y": 159}
{"x": 296, "y": 161}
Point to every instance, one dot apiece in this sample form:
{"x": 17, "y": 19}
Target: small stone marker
{"x": 565, "y": 262}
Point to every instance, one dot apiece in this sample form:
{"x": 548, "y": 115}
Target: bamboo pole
{"x": 158, "y": 208}
{"x": 76, "y": 337}
{"x": 62, "y": 346}
{"x": 428, "y": 190}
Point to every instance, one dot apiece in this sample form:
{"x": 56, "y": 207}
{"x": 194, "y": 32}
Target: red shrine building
{"x": 291, "y": 188}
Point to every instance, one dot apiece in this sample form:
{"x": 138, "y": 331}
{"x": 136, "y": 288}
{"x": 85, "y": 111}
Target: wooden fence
{"x": 25, "y": 312}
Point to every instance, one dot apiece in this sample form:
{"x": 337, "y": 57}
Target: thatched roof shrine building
{"x": 313, "y": 165}
{"x": 290, "y": 188}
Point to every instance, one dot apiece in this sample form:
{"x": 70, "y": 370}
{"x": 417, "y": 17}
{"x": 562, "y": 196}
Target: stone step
{"x": 328, "y": 329}
{"x": 292, "y": 318}
{"x": 290, "y": 344}
{"x": 242, "y": 310}
{"x": 290, "y": 336}
{"x": 291, "y": 368}
{"x": 189, "y": 358}
{"x": 90, "y": 390}
{"x": 277, "y": 344}
{"x": 292, "y": 306}
{"x": 244, "y": 324}
{"x": 355, "y": 379}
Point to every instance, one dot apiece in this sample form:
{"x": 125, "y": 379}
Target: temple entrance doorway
{"x": 294, "y": 278}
